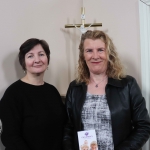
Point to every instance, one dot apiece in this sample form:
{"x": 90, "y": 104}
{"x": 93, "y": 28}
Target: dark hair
{"x": 28, "y": 45}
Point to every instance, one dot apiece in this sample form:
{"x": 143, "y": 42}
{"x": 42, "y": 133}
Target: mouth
{"x": 38, "y": 66}
{"x": 95, "y": 62}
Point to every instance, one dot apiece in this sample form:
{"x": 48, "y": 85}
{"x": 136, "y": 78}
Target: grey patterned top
{"x": 96, "y": 115}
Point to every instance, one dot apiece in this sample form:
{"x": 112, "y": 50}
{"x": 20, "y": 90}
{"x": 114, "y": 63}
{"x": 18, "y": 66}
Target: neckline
{"x": 97, "y": 84}
{"x": 96, "y": 94}
{"x": 31, "y": 85}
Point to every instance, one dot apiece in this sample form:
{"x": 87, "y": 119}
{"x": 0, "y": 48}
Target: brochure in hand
{"x": 87, "y": 140}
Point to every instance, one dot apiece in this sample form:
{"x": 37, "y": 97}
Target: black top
{"x": 129, "y": 117}
{"x": 33, "y": 117}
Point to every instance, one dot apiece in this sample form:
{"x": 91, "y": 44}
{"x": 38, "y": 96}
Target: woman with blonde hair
{"x": 105, "y": 99}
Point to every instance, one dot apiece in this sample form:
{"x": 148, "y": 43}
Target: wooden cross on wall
{"x": 82, "y": 26}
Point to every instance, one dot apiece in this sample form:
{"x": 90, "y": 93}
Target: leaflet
{"x": 87, "y": 140}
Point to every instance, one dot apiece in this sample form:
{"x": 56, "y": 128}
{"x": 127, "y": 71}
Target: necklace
{"x": 96, "y": 84}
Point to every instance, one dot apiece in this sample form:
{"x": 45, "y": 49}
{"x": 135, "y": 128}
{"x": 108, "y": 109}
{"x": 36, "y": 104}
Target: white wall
{"x": 45, "y": 19}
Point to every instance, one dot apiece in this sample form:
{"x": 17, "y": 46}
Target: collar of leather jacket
{"x": 111, "y": 81}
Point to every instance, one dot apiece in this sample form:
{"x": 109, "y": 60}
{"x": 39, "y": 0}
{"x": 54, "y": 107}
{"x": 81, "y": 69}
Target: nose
{"x": 95, "y": 55}
{"x": 37, "y": 59}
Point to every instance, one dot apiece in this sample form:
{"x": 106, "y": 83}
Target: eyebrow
{"x": 88, "y": 48}
{"x": 32, "y": 53}
{"x": 96, "y": 48}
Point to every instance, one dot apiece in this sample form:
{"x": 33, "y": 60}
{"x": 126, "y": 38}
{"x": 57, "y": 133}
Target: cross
{"x": 82, "y": 26}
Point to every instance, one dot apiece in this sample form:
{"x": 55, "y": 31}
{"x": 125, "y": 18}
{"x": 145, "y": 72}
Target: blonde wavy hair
{"x": 114, "y": 69}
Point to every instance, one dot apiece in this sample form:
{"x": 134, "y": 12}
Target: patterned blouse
{"x": 96, "y": 115}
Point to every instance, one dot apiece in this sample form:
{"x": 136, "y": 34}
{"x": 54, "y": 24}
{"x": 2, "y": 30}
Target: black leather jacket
{"x": 129, "y": 116}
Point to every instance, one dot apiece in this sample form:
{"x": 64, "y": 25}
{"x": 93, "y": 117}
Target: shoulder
{"x": 15, "y": 84}
{"x": 11, "y": 93}
{"x": 75, "y": 83}
{"x": 13, "y": 87}
{"x": 128, "y": 80}
{"x": 75, "y": 87}
{"x": 50, "y": 87}
{"x": 52, "y": 91}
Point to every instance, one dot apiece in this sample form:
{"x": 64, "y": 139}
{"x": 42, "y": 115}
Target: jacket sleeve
{"x": 140, "y": 120}
{"x": 11, "y": 118}
{"x": 69, "y": 128}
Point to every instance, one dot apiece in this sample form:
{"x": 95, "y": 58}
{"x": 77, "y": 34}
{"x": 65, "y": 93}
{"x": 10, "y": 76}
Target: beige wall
{"x": 45, "y": 19}
{"x": 121, "y": 21}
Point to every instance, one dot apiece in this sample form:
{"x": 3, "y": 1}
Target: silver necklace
{"x": 96, "y": 84}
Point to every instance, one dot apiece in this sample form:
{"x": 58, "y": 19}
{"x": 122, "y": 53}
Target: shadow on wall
{"x": 11, "y": 68}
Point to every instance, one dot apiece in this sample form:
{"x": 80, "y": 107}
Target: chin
{"x": 38, "y": 72}
{"x": 96, "y": 72}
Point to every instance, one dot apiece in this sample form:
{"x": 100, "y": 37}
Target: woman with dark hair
{"x": 104, "y": 99}
{"x": 31, "y": 110}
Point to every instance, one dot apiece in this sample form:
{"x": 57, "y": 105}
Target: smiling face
{"x": 94, "y": 147}
{"x": 95, "y": 56}
{"x": 84, "y": 147}
{"x": 36, "y": 61}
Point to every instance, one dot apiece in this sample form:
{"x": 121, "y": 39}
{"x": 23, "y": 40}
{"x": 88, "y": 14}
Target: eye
{"x": 101, "y": 50}
{"x": 41, "y": 54}
{"x": 89, "y": 50}
{"x": 30, "y": 56}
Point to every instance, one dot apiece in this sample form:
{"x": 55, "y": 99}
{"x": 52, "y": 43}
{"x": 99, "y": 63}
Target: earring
{"x": 24, "y": 72}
